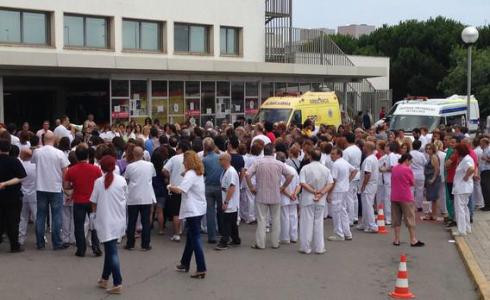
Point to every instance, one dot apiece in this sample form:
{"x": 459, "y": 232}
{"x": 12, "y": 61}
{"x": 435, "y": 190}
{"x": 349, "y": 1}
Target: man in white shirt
{"x": 14, "y": 140}
{"x": 369, "y": 186}
{"x": 230, "y": 191}
{"x": 289, "y": 205}
{"x": 174, "y": 170}
{"x": 259, "y": 135}
{"x": 342, "y": 174}
{"x": 29, "y": 205}
{"x": 141, "y": 197}
{"x": 316, "y": 181}
{"x": 353, "y": 155}
{"x": 418, "y": 164}
{"x": 62, "y": 129}
{"x": 51, "y": 165}
{"x": 43, "y": 130}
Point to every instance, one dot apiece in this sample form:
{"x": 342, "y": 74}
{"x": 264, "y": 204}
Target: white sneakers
{"x": 175, "y": 238}
{"x": 336, "y": 238}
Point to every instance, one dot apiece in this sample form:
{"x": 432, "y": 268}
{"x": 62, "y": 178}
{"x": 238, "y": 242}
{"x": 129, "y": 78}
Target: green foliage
{"x": 422, "y": 55}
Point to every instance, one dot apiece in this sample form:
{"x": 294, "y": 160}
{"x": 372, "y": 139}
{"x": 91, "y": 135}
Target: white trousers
{"x": 462, "y": 212}
{"x": 311, "y": 229}
{"x": 419, "y": 192}
{"x": 247, "y": 205}
{"x": 368, "y": 220}
{"x": 289, "y": 223}
{"x": 340, "y": 217}
{"x": 477, "y": 195}
{"x": 29, "y": 209}
{"x": 353, "y": 203}
{"x": 442, "y": 198}
{"x": 67, "y": 225}
{"x": 327, "y": 211}
{"x": 387, "y": 203}
{"x": 260, "y": 233}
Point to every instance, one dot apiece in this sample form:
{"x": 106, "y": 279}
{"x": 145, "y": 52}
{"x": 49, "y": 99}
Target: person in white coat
{"x": 462, "y": 189}
{"x": 289, "y": 205}
{"x": 418, "y": 164}
{"x": 316, "y": 181}
{"x": 369, "y": 185}
{"x": 382, "y": 158}
{"x": 353, "y": 155}
{"x": 109, "y": 198}
{"x": 392, "y": 156}
{"x": 247, "y": 198}
{"x": 29, "y": 204}
{"x": 342, "y": 174}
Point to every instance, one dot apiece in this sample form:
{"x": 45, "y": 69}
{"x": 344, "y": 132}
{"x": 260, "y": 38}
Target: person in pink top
{"x": 402, "y": 200}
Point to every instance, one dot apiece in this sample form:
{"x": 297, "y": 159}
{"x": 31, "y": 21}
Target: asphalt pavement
{"x": 364, "y": 268}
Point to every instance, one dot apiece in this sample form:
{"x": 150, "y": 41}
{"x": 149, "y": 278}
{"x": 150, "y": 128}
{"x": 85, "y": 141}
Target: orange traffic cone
{"x": 401, "y": 286}
{"x": 381, "y": 220}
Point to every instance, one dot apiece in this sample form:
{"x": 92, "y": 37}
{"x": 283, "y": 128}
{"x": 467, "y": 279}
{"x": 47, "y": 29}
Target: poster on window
{"x": 251, "y": 106}
{"x": 193, "y": 108}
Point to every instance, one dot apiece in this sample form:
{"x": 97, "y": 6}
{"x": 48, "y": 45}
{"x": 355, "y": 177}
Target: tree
{"x": 455, "y": 81}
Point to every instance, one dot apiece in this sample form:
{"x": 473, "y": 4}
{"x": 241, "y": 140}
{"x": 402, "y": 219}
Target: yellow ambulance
{"x": 321, "y": 107}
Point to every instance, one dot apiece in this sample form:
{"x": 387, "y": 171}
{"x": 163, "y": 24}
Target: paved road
{"x": 362, "y": 269}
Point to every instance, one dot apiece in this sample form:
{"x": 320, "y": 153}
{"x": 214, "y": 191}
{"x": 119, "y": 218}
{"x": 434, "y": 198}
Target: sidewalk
{"x": 475, "y": 250}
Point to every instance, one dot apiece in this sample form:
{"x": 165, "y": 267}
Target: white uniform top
{"x": 110, "y": 220}
{"x": 285, "y": 200}
{"x": 328, "y": 162}
{"x": 49, "y": 165}
{"x": 14, "y": 140}
{"x": 391, "y": 161}
{"x": 341, "y": 170}
{"x": 193, "y": 199}
{"x": 108, "y": 135}
{"x": 262, "y": 137}
{"x": 61, "y": 131}
{"x": 249, "y": 159}
{"x": 370, "y": 165}
{"x": 229, "y": 178}
{"x": 139, "y": 175}
{"x": 418, "y": 164}
{"x": 381, "y": 164}
{"x": 175, "y": 166}
{"x": 425, "y": 139}
{"x": 442, "y": 158}
{"x": 317, "y": 176}
{"x": 29, "y": 182}
{"x": 40, "y": 133}
{"x": 353, "y": 155}
{"x": 459, "y": 185}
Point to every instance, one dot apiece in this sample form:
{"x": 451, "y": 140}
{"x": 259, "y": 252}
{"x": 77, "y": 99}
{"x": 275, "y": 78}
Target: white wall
{"x": 379, "y": 83}
{"x": 249, "y": 14}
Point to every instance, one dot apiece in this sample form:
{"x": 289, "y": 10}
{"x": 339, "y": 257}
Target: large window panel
{"x": 191, "y": 38}
{"x": 120, "y": 88}
{"x": 181, "y": 37}
{"x": 131, "y": 34}
{"x": 176, "y": 99}
{"x": 237, "y": 97}
{"x": 198, "y": 39}
{"x": 96, "y": 32}
{"x": 150, "y": 36}
{"x": 34, "y": 28}
{"x": 73, "y": 31}
{"x": 10, "y": 26}
{"x": 229, "y": 40}
{"x": 208, "y": 89}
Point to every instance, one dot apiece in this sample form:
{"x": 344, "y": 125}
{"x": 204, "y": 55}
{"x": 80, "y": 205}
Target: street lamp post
{"x": 469, "y": 37}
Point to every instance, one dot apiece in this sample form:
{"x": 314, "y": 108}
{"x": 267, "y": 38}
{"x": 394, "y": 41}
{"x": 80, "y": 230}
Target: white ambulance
{"x": 434, "y": 112}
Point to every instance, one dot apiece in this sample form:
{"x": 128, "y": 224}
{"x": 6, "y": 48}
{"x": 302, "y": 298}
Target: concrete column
{"x": 344, "y": 89}
{"x": 2, "y": 107}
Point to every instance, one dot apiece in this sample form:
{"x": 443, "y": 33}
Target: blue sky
{"x": 327, "y": 13}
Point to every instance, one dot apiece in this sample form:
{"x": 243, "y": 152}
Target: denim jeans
{"x": 111, "y": 263}
{"x": 213, "y": 211}
{"x": 46, "y": 200}
{"x": 80, "y": 212}
{"x": 144, "y": 211}
{"x": 193, "y": 244}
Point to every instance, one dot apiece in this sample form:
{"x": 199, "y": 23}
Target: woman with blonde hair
{"x": 192, "y": 208}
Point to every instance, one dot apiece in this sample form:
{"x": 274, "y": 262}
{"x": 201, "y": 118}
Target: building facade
{"x": 172, "y": 60}
{"x": 356, "y": 30}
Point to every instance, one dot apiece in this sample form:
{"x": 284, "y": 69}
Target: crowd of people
{"x": 121, "y": 181}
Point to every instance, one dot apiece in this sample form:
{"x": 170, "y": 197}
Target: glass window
{"x": 292, "y": 88}
{"x": 131, "y": 35}
{"x": 120, "y": 88}
{"x": 237, "y": 97}
{"x": 229, "y": 40}
{"x": 176, "y": 98}
{"x": 223, "y": 89}
{"x": 150, "y": 36}
{"x": 409, "y": 122}
{"x": 267, "y": 90}
{"x": 159, "y": 88}
{"x": 73, "y": 31}
{"x": 252, "y": 89}
{"x": 138, "y": 98}
{"x": 10, "y": 26}
{"x": 82, "y": 31}
{"x": 280, "y": 88}
{"x": 23, "y": 27}
{"x": 192, "y": 89}
{"x": 304, "y": 87}
{"x": 208, "y": 89}
{"x": 34, "y": 28}
{"x": 191, "y": 38}
{"x": 96, "y": 32}
{"x": 274, "y": 115}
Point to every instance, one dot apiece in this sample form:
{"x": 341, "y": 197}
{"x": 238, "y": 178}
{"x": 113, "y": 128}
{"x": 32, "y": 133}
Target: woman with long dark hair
{"x": 109, "y": 203}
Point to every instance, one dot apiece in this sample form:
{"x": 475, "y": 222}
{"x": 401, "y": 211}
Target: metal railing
{"x": 313, "y": 46}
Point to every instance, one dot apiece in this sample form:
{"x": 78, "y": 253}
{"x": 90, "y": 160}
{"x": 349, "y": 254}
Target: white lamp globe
{"x": 469, "y": 35}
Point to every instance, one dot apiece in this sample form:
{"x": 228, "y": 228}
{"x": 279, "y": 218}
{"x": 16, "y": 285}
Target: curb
{"x": 473, "y": 268}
